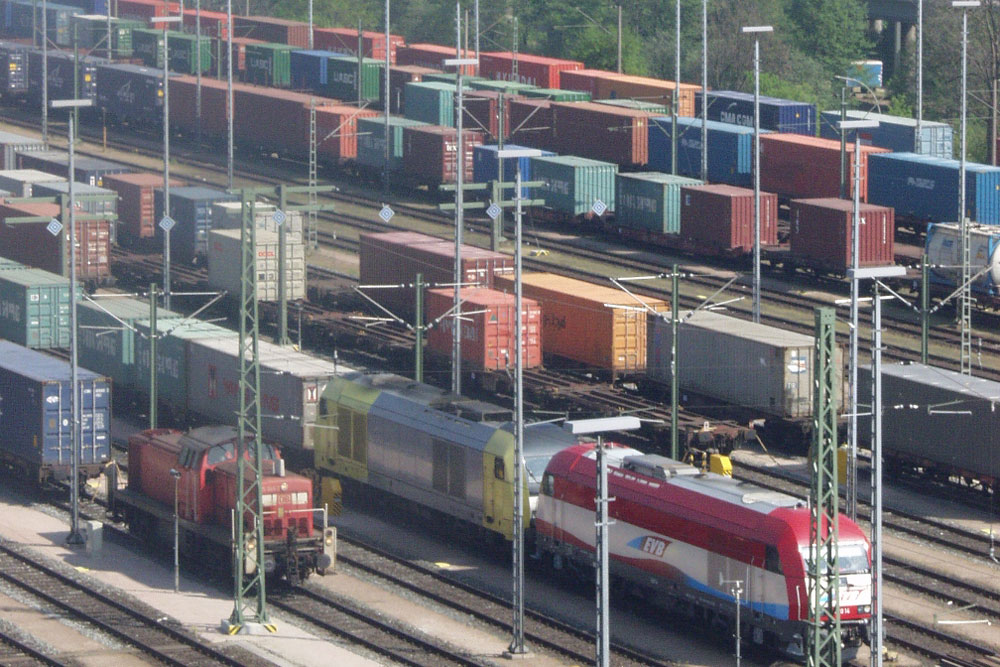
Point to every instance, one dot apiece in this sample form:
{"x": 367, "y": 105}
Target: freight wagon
{"x": 944, "y": 255}
{"x": 131, "y": 94}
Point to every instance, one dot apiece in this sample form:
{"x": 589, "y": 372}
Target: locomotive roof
{"x": 944, "y": 379}
{"x": 433, "y": 421}
{"x": 205, "y": 437}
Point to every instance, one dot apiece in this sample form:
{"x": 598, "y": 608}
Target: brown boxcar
{"x": 183, "y": 110}
{"x": 432, "y": 55}
{"x": 136, "y": 213}
{"x": 34, "y": 245}
{"x": 599, "y": 327}
{"x": 821, "y": 234}
{"x": 430, "y": 153}
{"x": 531, "y": 123}
{"x": 488, "y": 334}
{"x": 269, "y": 29}
{"x": 604, "y": 85}
{"x": 601, "y": 132}
{"x": 399, "y": 76}
{"x": 718, "y": 219}
{"x": 395, "y": 258}
{"x": 272, "y": 118}
{"x": 337, "y": 130}
{"x": 540, "y": 71}
{"x": 797, "y": 165}
{"x": 345, "y": 40}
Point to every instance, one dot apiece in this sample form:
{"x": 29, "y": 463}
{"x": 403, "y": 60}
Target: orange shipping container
{"x": 807, "y": 167}
{"x": 337, "y": 130}
{"x": 604, "y": 85}
{"x": 488, "y": 335}
{"x": 598, "y": 326}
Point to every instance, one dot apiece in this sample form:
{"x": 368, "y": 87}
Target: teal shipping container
{"x": 638, "y": 105}
{"x": 107, "y": 334}
{"x": 555, "y": 94}
{"x": 342, "y": 78}
{"x": 574, "y": 184}
{"x": 269, "y": 64}
{"x": 34, "y": 308}
{"x": 432, "y": 103}
{"x": 505, "y": 87}
{"x": 650, "y": 201}
{"x": 371, "y": 141}
{"x": 171, "y": 355}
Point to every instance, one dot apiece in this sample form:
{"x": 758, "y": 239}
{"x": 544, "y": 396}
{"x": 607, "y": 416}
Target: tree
{"x": 832, "y": 31}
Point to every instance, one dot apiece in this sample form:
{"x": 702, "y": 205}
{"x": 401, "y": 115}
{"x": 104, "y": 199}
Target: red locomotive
{"x": 204, "y": 461}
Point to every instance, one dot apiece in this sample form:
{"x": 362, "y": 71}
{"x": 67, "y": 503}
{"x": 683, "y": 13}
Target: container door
{"x": 497, "y": 492}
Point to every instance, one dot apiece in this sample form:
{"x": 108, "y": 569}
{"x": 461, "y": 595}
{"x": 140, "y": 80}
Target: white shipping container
{"x": 19, "y": 181}
{"x": 229, "y": 215}
{"x": 225, "y": 261}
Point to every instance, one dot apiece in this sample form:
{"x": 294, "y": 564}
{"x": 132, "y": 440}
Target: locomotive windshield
{"x": 852, "y": 558}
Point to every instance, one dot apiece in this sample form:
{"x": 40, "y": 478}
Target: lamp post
{"x": 755, "y": 31}
{"x": 876, "y": 274}
{"x": 920, "y": 74}
{"x": 177, "y": 566}
{"x": 600, "y": 426}
{"x": 852, "y": 424}
{"x": 517, "y": 641}
{"x": 704, "y": 90}
{"x": 166, "y": 223}
{"x": 74, "y": 537}
{"x": 229, "y": 94}
{"x": 877, "y": 108}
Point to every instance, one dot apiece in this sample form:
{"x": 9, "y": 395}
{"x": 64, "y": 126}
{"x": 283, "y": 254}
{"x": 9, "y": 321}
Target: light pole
{"x": 600, "y": 426}
{"x": 755, "y": 30}
{"x": 704, "y": 90}
{"x": 620, "y": 35}
{"x": 177, "y": 566}
{"x": 517, "y": 641}
{"x": 876, "y": 107}
{"x": 229, "y": 94}
{"x": 677, "y": 89}
{"x": 852, "y": 424}
{"x": 166, "y": 223}
{"x": 74, "y": 537}
{"x": 876, "y": 274}
{"x": 920, "y": 74}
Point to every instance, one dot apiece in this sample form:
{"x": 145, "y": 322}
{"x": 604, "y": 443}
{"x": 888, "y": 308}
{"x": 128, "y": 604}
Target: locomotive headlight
{"x": 329, "y": 538}
{"x": 864, "y": 609}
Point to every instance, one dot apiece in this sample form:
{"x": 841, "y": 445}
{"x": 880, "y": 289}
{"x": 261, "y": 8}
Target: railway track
{"x": 14, "y": 652}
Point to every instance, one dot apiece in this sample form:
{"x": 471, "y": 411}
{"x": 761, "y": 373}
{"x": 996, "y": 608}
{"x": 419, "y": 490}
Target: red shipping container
{"x": 430, "y": 153}
{"x": 540, "y": 71}
{"x": 32, "y": 244}
{"x": 272, "y": 118}
{"x": 269, "y": 29}
{"x": 213, "y": 24}
{"x": 345, "y": 40}
{"x": 718, "y": 219}
{"x": 821, "y": 234}
{"x": 399, "y": 76}
{"x": 136, "y": 214}
{"x": 143, "y": 10}
{"x": 605, "y": 85}
{"x": 432, "y": 55}
{"x": 530, "y": 122}
{"x": 488, "y": 335}
{"x": 601, "y": 132}
{"x": 183, "y": 108}
{"x": 801, "y": 166}
{"x": 337, "y": 131}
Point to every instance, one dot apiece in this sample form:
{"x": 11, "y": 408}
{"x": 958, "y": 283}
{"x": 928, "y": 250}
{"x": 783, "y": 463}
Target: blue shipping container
{"x": 893, "y": 132}
{"x": 308, "y": 69}
{"x": 926, "y": 188}
{"x": 776, "y": 114}
{"x": 485, "y": 167}
{"x": 730, "y": 149}
{"x": 37, "y": 413}
{"x": 191, "y": 209}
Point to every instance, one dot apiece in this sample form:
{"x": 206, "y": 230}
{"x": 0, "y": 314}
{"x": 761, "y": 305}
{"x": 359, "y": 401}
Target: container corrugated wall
{"x": 432, "y": 103}
{"x": 342, "y": 79}
{"x": 776, "y": 114}
{"x": 574, "y": 184}
{"x": 224, "y": 252}
{"x": 821, "y": 233}
{"x": 650, "y": 201}
{"x": 486, "y": 167}
{"x": 893, "y": 132}
{"x": 172, "y": 364}
{"x": 34, "y": 308}
{"x": 718, "y": 219}
{"x": 730, "y": 149}
{"x": 944, "y": 254}
{"x": 371, "y": 141}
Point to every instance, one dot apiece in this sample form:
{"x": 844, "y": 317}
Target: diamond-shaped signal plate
{"x": 167, "y": 223}
{"x": 494, "y": 211}
{"x": 279, "y": 217}
{"x": 54, "y": 227}
{"x": 599, "y": 207}
{"x": 386, "y": 213}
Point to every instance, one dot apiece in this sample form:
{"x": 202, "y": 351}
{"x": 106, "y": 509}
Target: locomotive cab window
{"x": 772, "y": 563}
{"x": 220, "y": 453}
{"x": 498, "y": 469}
{"x": 547, "y": 485}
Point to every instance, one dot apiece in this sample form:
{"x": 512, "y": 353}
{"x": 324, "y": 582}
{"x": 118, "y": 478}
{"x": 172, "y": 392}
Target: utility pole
{"x": 153, "y": 336}
{"x": 229, "y": 94}
{"x": 166, "y": 222}
{"x": 920, "y": 75}
{"x": 755, "y": 30}
{"x": 388, "y": 92}
{"x": 704, "y": 90}
{"x": 925, "y": 304}
{"x": 675, "y": 106}
{"x": 197, "y": 45}
{"x": 674, "y": 346}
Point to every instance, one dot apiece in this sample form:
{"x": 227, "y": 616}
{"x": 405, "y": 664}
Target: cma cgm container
{"x": 191, "y": 209}
{"x": 34, "y": 308}
{"x": 433, "y": 55}
{"x": 893, "y": 132}
{"x": 343, "y": 79}
{"x": 801, "y": 166}
{"x": 269, "y": 29}
{"x": 601, "y": 132}
{"x": 13, "y": 69}
{"x": 11, "y": 144}
{"x": 340, "y": 124}
{"x": 399, "y": 76}
{"x": 224, "y": 257}
{"x": 172, "y": 356}
{"x": 537, "y": 70}
{"x": 925, "y": 188}
{"x": 773, "y": 366}
{"x": 574, "y": 184}
{"x": 486, "y": 166}
{"x": 730, "y": 149}
{"x": 345, "y": 40}
{"x": 38, "y": 424}
{"x": 430, "y": 102}
{"x": 531, "y": 123}
{"x": 430, "y": 153}
{"x": 32, "y": 244}
{"x": 268, "y": 64}
{"x": 596, "y": 326}
{"x": 136, "y": 210}
{"x": 650, "y": 201}
{"x": 821, "y": 234}
{"x": 489, "y": 332}
{"x": 604, "y": 85}
{"x": 776, "y": 114}
{"x": 131, "y": 93}
{"x": 719, "y": 220}
{"x": 371, "y": 141}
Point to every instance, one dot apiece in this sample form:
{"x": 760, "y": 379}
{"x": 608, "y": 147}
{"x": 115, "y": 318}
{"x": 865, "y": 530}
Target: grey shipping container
{"x": 11, "y": 143}
{"x": 171, "y": 356}
{"x": 37, "y": 414}
{"x": 224, "y": 257}
{"x": 34, "y": 308}
{"x": 290, "y": 384}
{"x": 20, "y": 182}
{"x": 894, "y": 132}
{"x": 762, "y": 368}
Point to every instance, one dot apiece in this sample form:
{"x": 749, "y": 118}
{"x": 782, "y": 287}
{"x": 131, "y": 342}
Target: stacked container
{"x": 229, "y": 215}
{"x": 136, "y": 207}
{"x": 893, "y": 132}
{"x": 650, "y": 201}
{"x": 821, "y": 234}
{"x": 801, "y": 166}
{"x": 269, "y": 29}
{"x": 489, "y": 332}
{"x": 604, "y": 85}
{"x": 430, "y": 102}
{"x": 225, "y": 261}
{"x": 430, "y": 153}
{"x": 433, "y": 55}
{"x": 486, "y": 166}
{"x": 597, "y": 326}
{"x": 90, "y": 170}
{"x": 776, "y": 114}
{"x": 34, "y": 308}
{"x": 345, "y": 40}
{"x": 21, "y": 182}
{"x": 89, "y": 198}
{"x": 531, "y": 123}
{"x": 537, "y": 70}
{"x": 343, "y": 80}
{"x": 32, "y": 244}
{"x": 601, "y": 132}
{"x": 308, "y": 69}
{"x": 574, "y": 184}
{"x": 371, "y": 141}
{"x": 268, "y": 64}
{"x": 399, "y": 76}
{"x": 718, "y": 219}
{"x": 191, "y": 209}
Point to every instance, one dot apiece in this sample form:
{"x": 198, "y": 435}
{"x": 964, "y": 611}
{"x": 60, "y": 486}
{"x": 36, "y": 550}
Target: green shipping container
{"x": 451, "y": 77}
{"x": 269, "y": 64}
{"x": 371, "y": 141}
{"x": 342, "y": 79}
{"x": 638, "y": 105}
{"x": 183, "y": 53}
{"x": 171, "y": 355}
{"x": 34, "y": 308}
{"x": 121, "y": 36}
{"x": 555, "y": 94}
{"x": 650, "y": 200}
{"x": 432, "y": 103}
{"x": 147, "y": 45}
{"x": 107, "y": 338}
{"x": 574, "y": 184}
{"x": 505, "y": 87}
{"x": 92, "y": 34}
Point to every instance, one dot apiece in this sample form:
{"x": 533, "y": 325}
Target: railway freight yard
{"x": 429, "y": 335}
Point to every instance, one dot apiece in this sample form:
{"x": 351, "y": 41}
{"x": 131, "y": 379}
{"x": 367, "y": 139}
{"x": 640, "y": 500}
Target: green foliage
{"x": 599, "y": 50}
{"x": 832, "y": 31}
